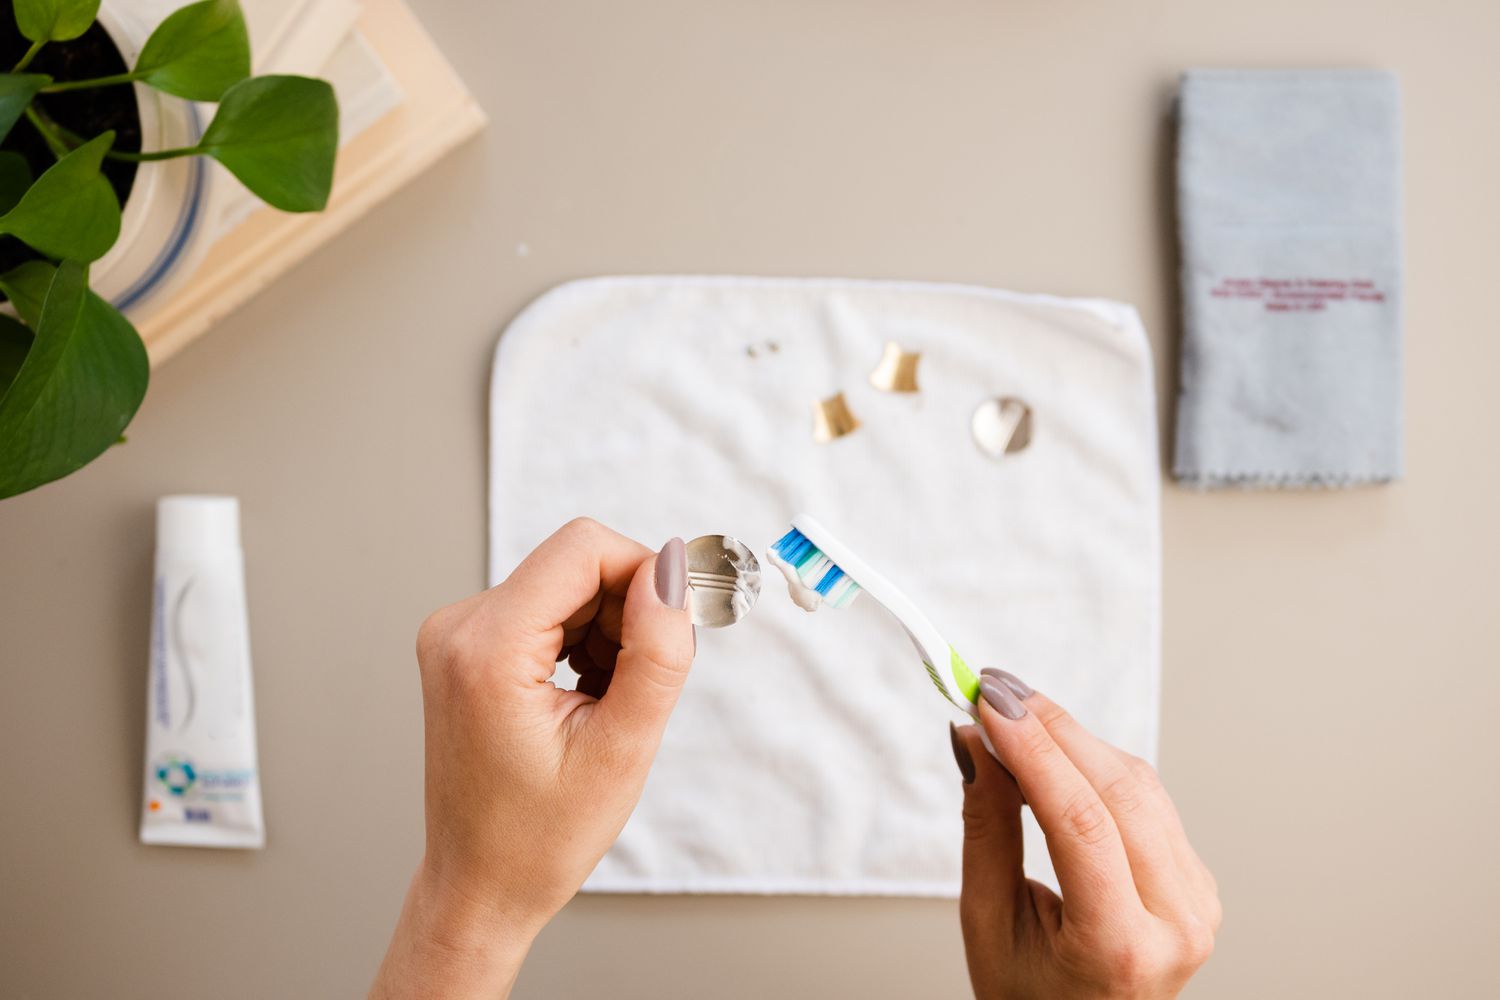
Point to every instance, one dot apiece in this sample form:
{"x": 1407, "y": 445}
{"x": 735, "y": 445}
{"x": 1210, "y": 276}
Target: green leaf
{"x": 198, "y": 52}
{"x": 16, "y": 91}
{"x": 71, "y": 210}
{"x": 15, "y": 341}
{"x": 80, "y": 384}
{"x": 15, "y": 178}
{"x": 55, "y": 20}
{"x": 278, "y": 135}
{"x": 26, "y": 287}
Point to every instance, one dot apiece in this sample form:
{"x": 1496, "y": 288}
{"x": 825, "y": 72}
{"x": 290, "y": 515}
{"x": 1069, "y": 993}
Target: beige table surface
{"x": 1330, "y": 682}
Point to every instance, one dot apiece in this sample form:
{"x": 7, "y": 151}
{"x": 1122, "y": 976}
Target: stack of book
{"x": 401, "y": 109}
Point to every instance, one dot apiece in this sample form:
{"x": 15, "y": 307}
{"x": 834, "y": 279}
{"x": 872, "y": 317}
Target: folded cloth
{"x": 809, "y": 752}
{"x": 1288, "y": 190}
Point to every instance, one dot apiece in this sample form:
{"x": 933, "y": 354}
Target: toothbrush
{"x": 820, "y": 570}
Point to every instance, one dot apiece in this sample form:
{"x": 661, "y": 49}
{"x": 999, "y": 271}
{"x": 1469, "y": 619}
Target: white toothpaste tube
{"x": 202, "y": 785}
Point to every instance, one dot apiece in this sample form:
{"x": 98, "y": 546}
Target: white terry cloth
{"x": 809, "y": 752}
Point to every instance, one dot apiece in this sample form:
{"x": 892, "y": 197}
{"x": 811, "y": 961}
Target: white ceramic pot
{"x": 164, "y": 224}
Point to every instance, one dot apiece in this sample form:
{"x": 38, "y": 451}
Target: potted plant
{"x": 73, "y": 369}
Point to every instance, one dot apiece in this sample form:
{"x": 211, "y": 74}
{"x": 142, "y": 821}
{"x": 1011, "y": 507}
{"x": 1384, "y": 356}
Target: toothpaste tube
{"x": 202, "y": 786}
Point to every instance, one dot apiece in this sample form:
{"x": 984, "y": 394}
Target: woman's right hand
{"x": 1138, "y": 910}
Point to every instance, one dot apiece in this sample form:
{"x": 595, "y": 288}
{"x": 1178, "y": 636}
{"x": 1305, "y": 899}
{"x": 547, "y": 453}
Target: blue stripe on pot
{"x": 182, "y": 231}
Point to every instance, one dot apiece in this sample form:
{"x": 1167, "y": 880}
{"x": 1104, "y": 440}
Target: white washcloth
{"x": 809, "y": 753}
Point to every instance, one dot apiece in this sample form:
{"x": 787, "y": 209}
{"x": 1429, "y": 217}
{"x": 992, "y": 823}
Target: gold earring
{"x": 897, "y": 371}
{"x": 832, "y": 419}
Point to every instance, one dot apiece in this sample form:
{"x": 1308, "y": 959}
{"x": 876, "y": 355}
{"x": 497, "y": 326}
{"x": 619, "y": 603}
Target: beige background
{"x": 1330, "y": 681}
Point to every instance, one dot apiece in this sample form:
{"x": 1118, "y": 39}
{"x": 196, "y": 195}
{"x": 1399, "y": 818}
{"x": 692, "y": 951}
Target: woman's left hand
{"x": 1138, "y": 910}
{"x": 528, "y": 784}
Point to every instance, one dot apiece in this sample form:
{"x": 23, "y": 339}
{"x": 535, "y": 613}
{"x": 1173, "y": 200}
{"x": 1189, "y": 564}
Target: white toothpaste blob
{"x": 802, "y": 595}
{"x": 723, "y": 580}
{"x": 746, "y": 578}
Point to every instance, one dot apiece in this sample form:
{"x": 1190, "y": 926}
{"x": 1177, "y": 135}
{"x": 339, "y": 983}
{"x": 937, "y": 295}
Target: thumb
{"x": 994, "y": 881}
{"x": 656, "y": 647}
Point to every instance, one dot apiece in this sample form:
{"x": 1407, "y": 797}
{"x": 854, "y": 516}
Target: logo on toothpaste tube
{"x": 186, "y": 780}
{"x": 176, "y": 775}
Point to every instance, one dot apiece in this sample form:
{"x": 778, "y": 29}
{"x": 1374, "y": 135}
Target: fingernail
{"x": 962, "y": 755}
{"x": 1001, "y": 698}
{"x": 671, "y": 574}
{"x": 1010, "y": 680}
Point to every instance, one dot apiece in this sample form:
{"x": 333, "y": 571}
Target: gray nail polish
{"x": 1010, "y": 680}
{"x": 671, "y": 574}
{"x": 1001, "y": 698}
{"x": 962, "y": 755}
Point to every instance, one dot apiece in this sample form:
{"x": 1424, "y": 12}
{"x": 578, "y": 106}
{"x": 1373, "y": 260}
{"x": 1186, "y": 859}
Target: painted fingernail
{"x": 1001, "y": 698}
{"x": 962, "y": 755}
{"x": 671, "y": 574}
{"x": 1010, "y": 680}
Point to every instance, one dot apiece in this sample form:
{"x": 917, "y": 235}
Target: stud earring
{"x": 897, "y": 371}
{"x": 832, "y": 419}
{"x": 1001, "y": 426}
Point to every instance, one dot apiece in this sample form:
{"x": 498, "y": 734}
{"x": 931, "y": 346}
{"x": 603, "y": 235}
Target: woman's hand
{"x": 527, "y": 784}
{"x": 1138, "y": 911}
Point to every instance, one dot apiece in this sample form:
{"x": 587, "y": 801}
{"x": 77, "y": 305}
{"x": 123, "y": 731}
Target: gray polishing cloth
{"x": 1289, "y": 195}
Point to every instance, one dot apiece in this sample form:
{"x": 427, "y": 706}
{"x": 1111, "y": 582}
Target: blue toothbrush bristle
{"x": 815, "y": 569}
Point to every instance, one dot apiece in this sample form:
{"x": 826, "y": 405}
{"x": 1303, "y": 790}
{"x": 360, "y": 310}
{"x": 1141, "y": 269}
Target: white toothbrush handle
{"x": 946, "y": 668}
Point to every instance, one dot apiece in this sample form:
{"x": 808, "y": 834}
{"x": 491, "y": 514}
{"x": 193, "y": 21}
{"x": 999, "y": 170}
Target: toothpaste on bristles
{"x": 812, "y": 578}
